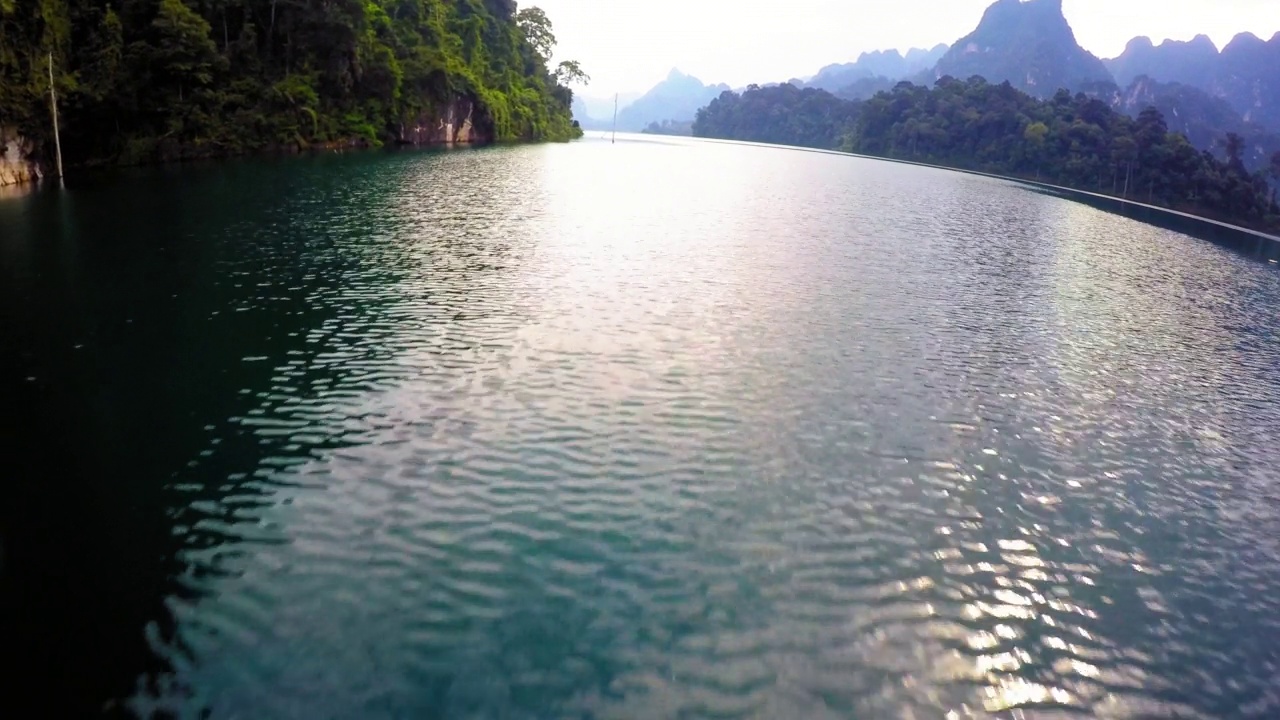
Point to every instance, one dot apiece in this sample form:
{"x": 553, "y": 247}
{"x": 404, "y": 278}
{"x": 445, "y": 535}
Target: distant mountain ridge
{"x": 1188, "y": 62}
{"x": 596, "y": 113}
{"x": 1246, "y": 73}
{"x": 676, "y": 99}
{"x": 1027, "y": 43}
{"x": 1203, "y": 118}
{"x": 889, "y": 65}
{"x": 1030, "y": 44}
{"x": 1204, "y": 94}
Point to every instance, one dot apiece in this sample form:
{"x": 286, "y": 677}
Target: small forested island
{"x": 147, "y": 80}
{"x": 1076, "y": 141}
{"x": 682, "y": 128}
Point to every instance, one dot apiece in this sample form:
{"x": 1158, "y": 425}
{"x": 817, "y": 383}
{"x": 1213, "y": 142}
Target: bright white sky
{"x": 631, "y": 45}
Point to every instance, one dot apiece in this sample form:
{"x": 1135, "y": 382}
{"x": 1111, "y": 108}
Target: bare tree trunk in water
{"x": 53, "y": 106}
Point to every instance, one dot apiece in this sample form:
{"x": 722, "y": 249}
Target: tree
{"x": 536, "y": 28}
{"x": 103, "y": 58}
{"x": 184, "y": 56}
{"x": 1124, "y": 150}
{"x": 1035, "y": 135}
{"x": 1273, "y": 168}
{"x": 1235, "y": 149}
{"x": 570, "y": 73}
{"x": 142, "y": 80}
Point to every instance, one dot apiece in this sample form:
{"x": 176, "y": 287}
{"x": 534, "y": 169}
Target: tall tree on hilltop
{"x": 535, "y": 25}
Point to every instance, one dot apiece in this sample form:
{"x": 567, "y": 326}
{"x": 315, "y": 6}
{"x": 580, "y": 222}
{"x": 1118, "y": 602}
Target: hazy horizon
{"x": 629, "y": 47}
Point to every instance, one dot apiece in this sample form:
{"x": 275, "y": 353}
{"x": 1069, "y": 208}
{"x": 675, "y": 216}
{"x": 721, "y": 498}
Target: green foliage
{"x": 183, "y": 53}
{"x": 570, "y": 73}
{"x": 536, "y": 27}
{"x": 1075, "y": 141}
{"x": 782, "y": 114}
{"x": 141, "y": 80}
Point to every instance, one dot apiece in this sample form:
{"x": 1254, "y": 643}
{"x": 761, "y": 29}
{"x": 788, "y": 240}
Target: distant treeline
{"x": 1075, "y": 141}
{"x": 670, "y": 127}
{"x": 144, "y": 79}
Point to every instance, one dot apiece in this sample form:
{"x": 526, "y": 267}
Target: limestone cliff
{"x": 16, "y": 163}
{"x": 1029, "y": 44}
{"x": 459, "y": 122}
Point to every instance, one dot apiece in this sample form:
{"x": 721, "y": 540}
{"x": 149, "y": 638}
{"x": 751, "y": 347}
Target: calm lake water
{"x": 661, "y": 429}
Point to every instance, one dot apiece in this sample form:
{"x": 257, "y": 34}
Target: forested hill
{"x": 140, "y": 80}
{"x": 1075, "y": 141}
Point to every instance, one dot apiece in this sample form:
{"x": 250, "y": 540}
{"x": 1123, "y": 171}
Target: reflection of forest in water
{"x": 172, "y": 344}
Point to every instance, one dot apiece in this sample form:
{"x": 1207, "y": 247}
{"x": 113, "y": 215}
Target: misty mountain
{"x": 1203, "y": 118}
{"x": 582, "y": 114}
{"x": 596, "y": 113}
{"x": 1248, "y": 77}
{"x": 1203, "y": 93}
{"x": 677, "y": 98}
{"x": 888, "y": 65}
{"x": 1189, "y": 63}
{"x": 601, "y": 107}
{"x": 1029, "y": 44}
{"x": 1246, "y": 74}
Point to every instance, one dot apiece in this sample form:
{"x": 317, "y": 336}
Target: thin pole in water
{"x": 615, "y": 118}
{"x": 53, "y": 102}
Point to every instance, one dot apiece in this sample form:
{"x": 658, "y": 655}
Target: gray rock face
{"x": 1246, "y": 73}
{"x": 458, "y": 122}
{"x": 17, "y": 163}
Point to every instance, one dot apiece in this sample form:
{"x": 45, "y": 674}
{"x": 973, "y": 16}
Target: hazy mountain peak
{"x": 1244, "y": 40}
{"x": 1028, "y": 43}
{"x": 677, "y": 98}
{"x": 878, "y": 54}
{"x": 1142, "y": 42}
{"x": 1023, "y": 8}
{"x": 930, "y": 56}
{"x": 1242, "y": 75}
{"x": 1185, "y": 61}
{"x": 883, "y": 65}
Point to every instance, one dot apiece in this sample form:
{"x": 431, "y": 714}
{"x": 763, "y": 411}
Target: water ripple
{"x": 672, "y": 429}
